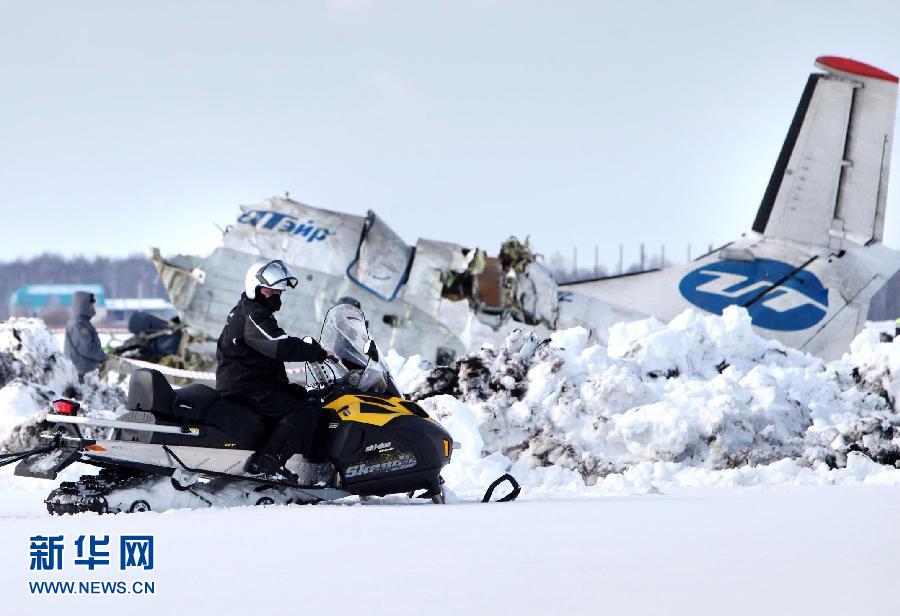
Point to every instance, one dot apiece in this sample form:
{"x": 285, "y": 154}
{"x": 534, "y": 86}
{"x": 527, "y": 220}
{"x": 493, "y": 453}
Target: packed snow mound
{"x": 34, "y": 372}
{"x": 702, "y": 392}
{"x": 30, "y": 352}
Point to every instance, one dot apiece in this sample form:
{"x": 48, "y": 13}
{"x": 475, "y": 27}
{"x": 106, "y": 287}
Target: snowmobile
{"x": 371, "y": 441}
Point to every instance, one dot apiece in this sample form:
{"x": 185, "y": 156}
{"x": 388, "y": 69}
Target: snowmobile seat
{"x": 226, "y": 420}
{"x": 192, "y": 403}
{"x": 150, "y": 391}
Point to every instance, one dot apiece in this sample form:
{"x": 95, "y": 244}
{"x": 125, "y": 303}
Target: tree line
{"x": 132, "y": 276}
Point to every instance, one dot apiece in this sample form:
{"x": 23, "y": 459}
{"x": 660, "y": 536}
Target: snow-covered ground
{"x": 689, "y": 467}
{"x": 704, "y": 551}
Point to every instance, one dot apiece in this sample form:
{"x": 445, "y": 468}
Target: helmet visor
{"x": 276, "y": 275}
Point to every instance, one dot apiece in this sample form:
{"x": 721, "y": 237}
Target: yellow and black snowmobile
{"x": 371, "y": 441}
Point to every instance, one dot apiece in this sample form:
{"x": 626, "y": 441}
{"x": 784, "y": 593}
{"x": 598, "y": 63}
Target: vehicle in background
{"x": 152, "y": 338}
{"x": 120, "y": 310}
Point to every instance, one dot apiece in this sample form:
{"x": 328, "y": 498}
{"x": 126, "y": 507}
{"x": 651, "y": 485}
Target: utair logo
{"x": 794, "y": 302}
{"x": 284, "y": 223}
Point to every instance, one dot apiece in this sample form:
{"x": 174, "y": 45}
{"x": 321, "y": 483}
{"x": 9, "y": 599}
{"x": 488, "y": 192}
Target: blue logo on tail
{"x": 799, "y": 302}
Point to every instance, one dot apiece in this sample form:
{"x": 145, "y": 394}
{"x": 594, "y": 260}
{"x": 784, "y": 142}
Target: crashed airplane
{"x": 805, "y": 272}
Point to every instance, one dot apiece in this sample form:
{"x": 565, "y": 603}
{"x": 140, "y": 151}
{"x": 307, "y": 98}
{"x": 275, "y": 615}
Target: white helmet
{"x": 273, "y": 274}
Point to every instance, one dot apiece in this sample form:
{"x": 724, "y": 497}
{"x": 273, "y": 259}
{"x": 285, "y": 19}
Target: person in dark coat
{"x": 251, "y": 352}
{"x": 82, "y": 344}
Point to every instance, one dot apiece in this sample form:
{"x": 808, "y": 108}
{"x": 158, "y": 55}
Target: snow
{"x": 702, "y": 400}
{"x": 701, "y": 551}
{"x": 21, "y": 404}
{"x": 28, "y": 350}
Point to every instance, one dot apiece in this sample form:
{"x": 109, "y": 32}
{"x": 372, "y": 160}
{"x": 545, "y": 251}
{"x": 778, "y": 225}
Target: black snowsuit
{"x": 82, "y": 344}
{"x": 251, "y": 353}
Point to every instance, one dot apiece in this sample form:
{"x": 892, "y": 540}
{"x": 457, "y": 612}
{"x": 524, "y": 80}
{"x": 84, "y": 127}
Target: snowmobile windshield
{"x": 375, "y": 378}
{"x": 346, "y": 336}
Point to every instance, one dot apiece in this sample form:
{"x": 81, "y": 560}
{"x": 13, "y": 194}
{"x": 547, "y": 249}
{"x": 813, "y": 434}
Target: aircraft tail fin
{"x": 829, "y": 184}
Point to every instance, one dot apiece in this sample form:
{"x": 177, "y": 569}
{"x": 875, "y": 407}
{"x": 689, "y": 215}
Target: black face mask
{"x": 273, "y": 302}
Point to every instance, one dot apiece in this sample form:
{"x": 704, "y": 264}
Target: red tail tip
{"x": 853, "y": 67}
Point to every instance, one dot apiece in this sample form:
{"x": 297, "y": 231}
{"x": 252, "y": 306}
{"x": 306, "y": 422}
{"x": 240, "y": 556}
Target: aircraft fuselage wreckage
{"x": 805, "y": 272}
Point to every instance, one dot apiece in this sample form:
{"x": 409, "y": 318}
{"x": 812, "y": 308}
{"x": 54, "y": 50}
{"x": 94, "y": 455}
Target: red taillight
{"x": 65, "y": 407}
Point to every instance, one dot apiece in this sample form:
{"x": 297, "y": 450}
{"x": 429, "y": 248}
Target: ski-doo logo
{"x": 378, "y": 446}
{"x": 399, "y": 463}
{"x": 775, "y": 296}
{"x": 283, "y": 223}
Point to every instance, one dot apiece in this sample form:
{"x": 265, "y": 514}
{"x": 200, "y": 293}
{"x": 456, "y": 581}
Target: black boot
{"x": 268, "y": 466}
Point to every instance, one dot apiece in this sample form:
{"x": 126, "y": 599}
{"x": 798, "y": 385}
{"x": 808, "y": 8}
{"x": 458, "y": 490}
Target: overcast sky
{"x": 577, "y": 123}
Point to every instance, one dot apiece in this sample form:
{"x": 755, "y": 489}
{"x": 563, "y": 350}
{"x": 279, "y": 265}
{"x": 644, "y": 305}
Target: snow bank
{"x": 34, "y": 372}
{"x": 700, "y": 401}
{"x": 29, "y": 351}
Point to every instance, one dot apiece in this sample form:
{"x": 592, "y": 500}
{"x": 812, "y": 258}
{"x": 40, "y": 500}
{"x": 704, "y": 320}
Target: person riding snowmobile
{"x": 251, "y": 352}
{"x": 82, "y": 345}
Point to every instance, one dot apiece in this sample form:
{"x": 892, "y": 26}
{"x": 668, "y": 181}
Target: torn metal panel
{"x": 538, "y": 295}
{"x": 425, "y": 281}
{"x": 180, "y": 277}
{"x": 382, "y": 259}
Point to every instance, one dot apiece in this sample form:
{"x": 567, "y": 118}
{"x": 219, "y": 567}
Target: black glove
{"x": 319, "y": 354}
{"x": 298, "y": 388}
